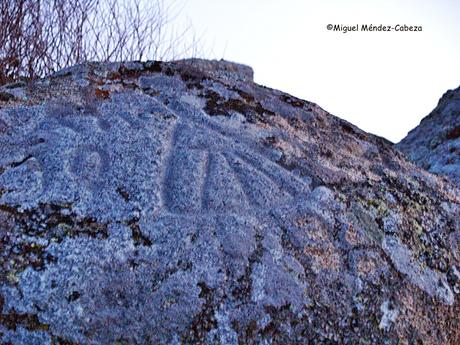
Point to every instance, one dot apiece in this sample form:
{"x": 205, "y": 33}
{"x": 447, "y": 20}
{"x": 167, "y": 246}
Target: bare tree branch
{"x": 38, "y": 37}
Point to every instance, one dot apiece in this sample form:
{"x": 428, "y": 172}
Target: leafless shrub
{"x": 38, "y": 37}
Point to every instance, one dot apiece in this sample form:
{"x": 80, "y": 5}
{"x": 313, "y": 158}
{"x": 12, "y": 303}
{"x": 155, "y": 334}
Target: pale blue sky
{"x": 384, "y": 82}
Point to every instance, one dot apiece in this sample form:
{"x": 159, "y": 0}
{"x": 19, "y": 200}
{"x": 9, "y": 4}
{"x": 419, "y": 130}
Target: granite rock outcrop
{"x": 435, "y": 144}
{"x": 182, "y": 203}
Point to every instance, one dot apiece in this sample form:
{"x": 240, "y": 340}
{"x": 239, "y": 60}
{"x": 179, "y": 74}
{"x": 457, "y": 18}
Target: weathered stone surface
{"x": 169, "y": 203}
{"x": 435, "y": 144}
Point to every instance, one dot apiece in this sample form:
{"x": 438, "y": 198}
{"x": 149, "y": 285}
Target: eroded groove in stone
{"x": 224, "y": 192}
{"x": 187, "y": 175}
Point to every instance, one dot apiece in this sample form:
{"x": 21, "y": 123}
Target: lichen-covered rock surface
{"x": 181, "y": 203}
{"x": 435, "y": 144}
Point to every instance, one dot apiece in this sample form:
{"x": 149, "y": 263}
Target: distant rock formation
{"x": 435, "y": 144}
{"x": 181, "y": 203}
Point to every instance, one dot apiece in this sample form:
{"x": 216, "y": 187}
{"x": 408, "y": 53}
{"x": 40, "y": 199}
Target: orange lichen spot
{"x": 323, "y": 258}
{"x": 102, "y": 94}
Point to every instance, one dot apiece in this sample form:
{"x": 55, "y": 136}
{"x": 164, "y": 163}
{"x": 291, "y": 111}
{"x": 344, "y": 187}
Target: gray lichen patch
{"x": 432, "y": 282}
{"x": 80, "y": 158}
